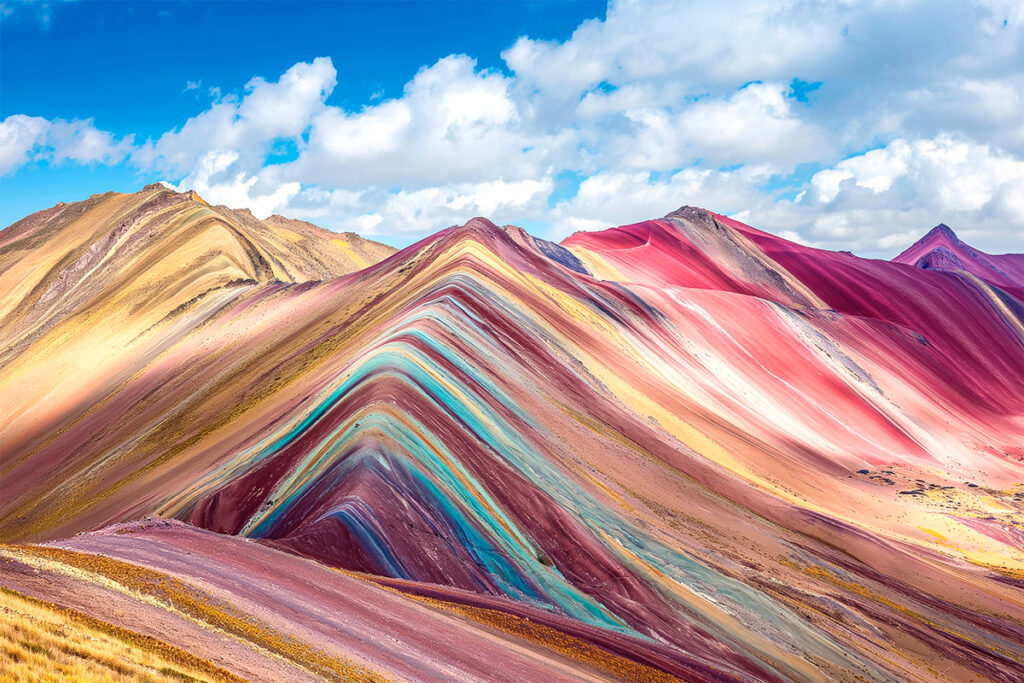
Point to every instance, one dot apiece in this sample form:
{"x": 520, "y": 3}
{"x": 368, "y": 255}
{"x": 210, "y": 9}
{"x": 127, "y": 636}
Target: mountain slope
{"x": 747, "y": 454}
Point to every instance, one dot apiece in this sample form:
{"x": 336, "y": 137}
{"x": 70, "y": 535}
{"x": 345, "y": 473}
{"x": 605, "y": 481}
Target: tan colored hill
{"x": 156, "y": 249}
{"x": 90, "y": 291}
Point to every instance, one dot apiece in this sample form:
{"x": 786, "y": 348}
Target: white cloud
{"x": 267, "y": 112}
{"x": 219, "y": 180}
{"x": 433, "y": 208}
{"x": 879, "y": 202}
{"x": 756, "y": 124}
{"x": 945, "y": 172}
{"x": 916, "y": 67}
{"x": 81, "y": 142}
{"x": 19, "y": 135}
{"x": 453, "y": 123}
{"x": 28, "y": 138}
{"x": 692, "y": 42}
{"x": 874, "y": 170}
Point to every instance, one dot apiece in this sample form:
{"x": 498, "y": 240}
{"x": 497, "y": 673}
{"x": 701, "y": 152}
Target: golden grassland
{"x": 40, "y": 641}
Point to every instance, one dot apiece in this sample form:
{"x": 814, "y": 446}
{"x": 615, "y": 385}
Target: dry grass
{"x": 41, "y": 642}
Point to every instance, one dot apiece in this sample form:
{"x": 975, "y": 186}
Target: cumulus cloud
{"x": 757, "y": 124}
{"x": 219, "y": 179}
{"x": 945, "y": 172}
{"x": 250, "y": 125}
{"x": 453, "y": 123}
{"x": 29, "y": 138}
{"x": 871, "y": 197}
{"x": 990, "y": 108}
{"x": 502, "y": 201}
{"x": 697, "y": 43}
{"x": 19, "y": 136}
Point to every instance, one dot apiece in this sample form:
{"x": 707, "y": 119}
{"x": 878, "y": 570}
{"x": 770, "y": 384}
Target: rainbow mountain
{"x": 680, "y": 449}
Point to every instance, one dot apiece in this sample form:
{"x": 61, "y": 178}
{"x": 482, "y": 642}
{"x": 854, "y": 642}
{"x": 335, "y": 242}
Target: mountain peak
{"x": 940, "y": 237}
{"x": 939, "y": 231}
{"x": 693, "y": 213}
{"x": 481, "y": 224}
{"x": 940, "y": 249}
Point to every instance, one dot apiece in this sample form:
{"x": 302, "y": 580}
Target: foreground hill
{"x": 685, "y": 444}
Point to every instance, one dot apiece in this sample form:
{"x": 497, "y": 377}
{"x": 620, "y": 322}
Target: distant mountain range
{"x": 680, "y": 449}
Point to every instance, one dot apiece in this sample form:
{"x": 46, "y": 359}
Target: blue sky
{"x": 843, "y": 126}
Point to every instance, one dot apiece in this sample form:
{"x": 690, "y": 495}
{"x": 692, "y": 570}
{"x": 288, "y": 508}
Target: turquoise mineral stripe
{"x": 369, "y": 539}
{"x": 320, "y": 406}
{"x": 328, "y": 396}
{"x": 382, "y": 365}
{"x": 397, "y": 359}
{"x": 508, "y": 576}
